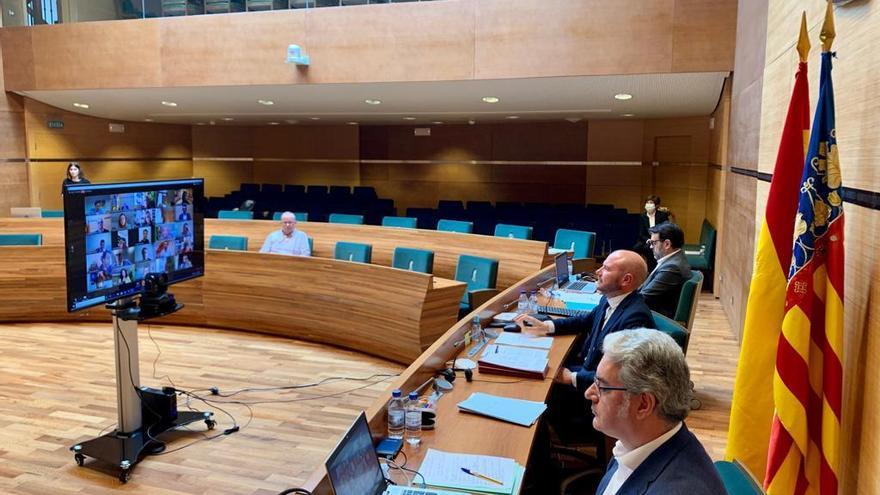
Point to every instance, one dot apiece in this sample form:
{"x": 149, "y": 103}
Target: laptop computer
{"x": 563, "y": 280}
{"x": 353, "y": 467}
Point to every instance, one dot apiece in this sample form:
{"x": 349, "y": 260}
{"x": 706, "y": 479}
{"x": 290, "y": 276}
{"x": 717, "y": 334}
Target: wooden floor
{"x": 57, "y": 388}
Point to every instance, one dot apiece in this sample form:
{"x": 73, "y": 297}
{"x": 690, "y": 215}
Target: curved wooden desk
{"x": 516, "y": 258}
{"x": 394, "y": 314}
{"x": 460, "y": 432}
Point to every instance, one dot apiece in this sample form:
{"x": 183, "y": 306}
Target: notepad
{"x": 505, "y": 317}
{"x": 514, "y": 361}
{"x": 524, "y": 340}
{"x": 516, "y": 411}
{"x": 443, "y": 470}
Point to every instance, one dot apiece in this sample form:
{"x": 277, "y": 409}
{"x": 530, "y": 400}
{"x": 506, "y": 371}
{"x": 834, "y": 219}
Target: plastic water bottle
{"x": 476, "y": 330}
{"x": 533, "y": 302}
{"x": 396, "y": 415}
{"x": 571, "y": 276}
{"x": 413, "y": 420}
{"x": 522, "y": 306}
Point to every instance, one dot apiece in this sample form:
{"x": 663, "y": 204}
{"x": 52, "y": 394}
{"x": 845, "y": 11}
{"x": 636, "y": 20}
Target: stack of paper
{"x": 524, "y": 340}
{"x": 515, "y": 361}
{"x": 446, "y": 470}
{"x": 517, "y": 411}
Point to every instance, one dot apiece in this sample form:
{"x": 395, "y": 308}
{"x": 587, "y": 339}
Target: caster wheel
{"x": 124, "y": 476}
{"x": 210, "y": 423}
{"x": 80, "y": 459}
{"x": 696, "y": 404}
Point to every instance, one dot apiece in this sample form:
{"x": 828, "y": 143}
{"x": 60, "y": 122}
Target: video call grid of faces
{"x": 131, "y": 235}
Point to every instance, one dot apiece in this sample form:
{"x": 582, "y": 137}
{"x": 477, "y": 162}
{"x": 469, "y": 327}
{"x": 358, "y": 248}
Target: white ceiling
{"x": 534, "y": 99}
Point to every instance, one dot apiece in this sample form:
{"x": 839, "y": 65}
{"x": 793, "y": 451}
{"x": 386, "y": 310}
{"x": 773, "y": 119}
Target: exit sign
{"x": 55, "y": 124}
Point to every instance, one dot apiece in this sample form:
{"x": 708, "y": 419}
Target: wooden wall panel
{"x": 222, "y": 177}
{"x": 429, "y": 41}
{"x": 13, "y": 168}
{"x": 615, "y": 140}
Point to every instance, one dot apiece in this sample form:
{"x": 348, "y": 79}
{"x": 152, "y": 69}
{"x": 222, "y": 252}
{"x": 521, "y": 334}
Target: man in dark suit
{"x": 641, "y": 396}
{"x": 662, "y": 289}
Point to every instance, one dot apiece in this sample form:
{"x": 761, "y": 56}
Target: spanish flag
{"x": 808, "y": 384}
{"x": 751, "y": 413}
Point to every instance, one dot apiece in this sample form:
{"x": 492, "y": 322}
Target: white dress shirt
{"x": 664, "y": 259}
{"x": 651, "y": 218}
{"x": 296, "y": 244}
{"x": 629, "y": 460}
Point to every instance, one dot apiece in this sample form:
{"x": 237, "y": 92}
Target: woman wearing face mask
{"x": 652, "y": 215}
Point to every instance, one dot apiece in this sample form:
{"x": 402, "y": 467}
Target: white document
{"x": 516, "y": 358}
{"x": 444, "y": 470}
{"x": 517, "y": 411}
{"x": 580, "y": 297}
{"x": 524, "y": 340}
{"x": 505, "y": 317}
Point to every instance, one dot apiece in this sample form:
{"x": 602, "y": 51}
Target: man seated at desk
{"x": 641, "y": 396}
{"x": 621, "y": 307}
{"x": 662, "y": 289}
{"x": 288, "y": 240}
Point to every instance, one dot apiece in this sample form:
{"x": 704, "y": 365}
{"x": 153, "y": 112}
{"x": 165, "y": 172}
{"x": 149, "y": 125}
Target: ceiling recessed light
{"x": 513, "y": 117}
{"x": 200, "y": 123}
{"x": 169, "y": 103}
{"x": 352, "y": 123}
{"x": 437, "y": 122}
{"x": 80, "y": 105}
{"x": 273, "y": 123}
{"x": 491, "y": 99}
{"x": 148, "y": 120}
{"x": 373, "y": 102}
{"x": 292, "y": 121}
{"x": 314, "y": 118}
{"x": 472, "y": 121}
{"x": 265, "y": 102}
{"x": 627, "y": 115}
{"x": 227, "y": 119}
{"x": 409, "y": 118}
{"x": 623, "y": 96}
{"x": 212, "y": 122}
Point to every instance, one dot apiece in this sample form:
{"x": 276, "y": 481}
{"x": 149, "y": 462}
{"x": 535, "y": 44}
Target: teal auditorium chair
{"x": 301, "y": 216}
{"x": 480, "y": 275}
{"x": 416, "y": 260}
{"x": 455, "y": 226}
{"x": 687, "y": 301}
{"x": 52, "y": 214}
{"x": 701, "y": 256}
{"x": 513, "y": 231}
{"x": 231, "y": 242}
{"x": 353, "y": 251}
{"x": 404, "y": 222}
{"x": 235, "y": 215}
{"x": 346, "y": 218}
{"x": 579, "y": 242}
{"x": 671, "y": 328}
{"x": 737, "y": 479}
{"x": 21, "y": 239}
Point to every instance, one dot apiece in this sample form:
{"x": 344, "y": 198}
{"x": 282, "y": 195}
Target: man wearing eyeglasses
{"x": 641, "y": 396}
{"x": 662, "y": 288}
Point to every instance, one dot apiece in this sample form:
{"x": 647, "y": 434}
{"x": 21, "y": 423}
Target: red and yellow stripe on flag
{"x": 803, "y": 456}
{"x": 751, "y": 412}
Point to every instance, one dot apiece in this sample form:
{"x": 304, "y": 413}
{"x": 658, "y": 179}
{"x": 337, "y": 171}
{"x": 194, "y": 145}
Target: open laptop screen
{"x": 353, "y": 467}
{"x": 561, "y": 262}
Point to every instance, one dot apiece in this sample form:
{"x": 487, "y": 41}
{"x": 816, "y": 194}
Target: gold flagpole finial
{"x": 803, "y": 45}
{"x": 827, "y": 33}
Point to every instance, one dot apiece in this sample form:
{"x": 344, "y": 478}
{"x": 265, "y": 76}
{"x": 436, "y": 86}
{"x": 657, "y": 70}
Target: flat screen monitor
{"x": 116, "y": 234}
{"x": 562, "y": 274}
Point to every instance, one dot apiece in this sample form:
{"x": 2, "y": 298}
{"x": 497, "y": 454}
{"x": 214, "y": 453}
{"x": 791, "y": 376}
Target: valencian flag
{"x": 752, "y": 409}
{"x": 803, "y": 456}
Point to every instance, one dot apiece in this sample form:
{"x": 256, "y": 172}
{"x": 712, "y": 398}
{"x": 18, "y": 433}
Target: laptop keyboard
{"x": 579, "y": 285}
{"x": 558, "y": 310}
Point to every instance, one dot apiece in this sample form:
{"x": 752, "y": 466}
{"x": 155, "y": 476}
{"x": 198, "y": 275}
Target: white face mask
{"x": 650, "y": 207}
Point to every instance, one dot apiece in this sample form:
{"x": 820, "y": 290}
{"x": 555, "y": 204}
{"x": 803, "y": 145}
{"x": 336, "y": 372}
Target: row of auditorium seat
{"x": 480, "y": 274}
{"x": 615, "y": 227}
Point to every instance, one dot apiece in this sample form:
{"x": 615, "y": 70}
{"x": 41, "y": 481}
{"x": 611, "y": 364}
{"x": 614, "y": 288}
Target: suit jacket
{"x": 631, "y": 313}
{"x": 678, "y": 467}
{"x": 644, "y": 224}
{"x": 662, "y": 288}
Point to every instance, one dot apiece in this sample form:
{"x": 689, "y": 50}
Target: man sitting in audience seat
{"x": 287, "y": 240}
{"x": 662, "y": 289}
{"x": 641, "y": 396}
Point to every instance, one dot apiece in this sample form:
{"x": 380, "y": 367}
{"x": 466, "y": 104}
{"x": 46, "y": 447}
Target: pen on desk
{"x": 496, "y": 349}
{"x": 478, "y": 475}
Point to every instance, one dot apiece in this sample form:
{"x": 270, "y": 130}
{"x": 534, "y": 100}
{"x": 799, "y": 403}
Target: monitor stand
{"x": 125, "y": 446}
